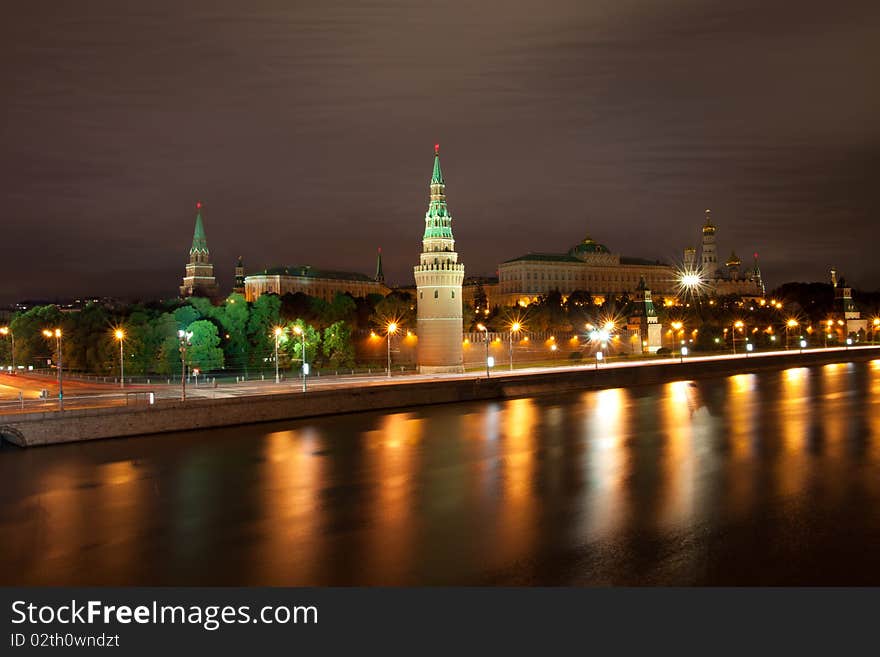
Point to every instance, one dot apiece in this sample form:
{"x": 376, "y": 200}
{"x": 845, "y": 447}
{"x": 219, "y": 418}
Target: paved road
{"x": 89, "y": 394}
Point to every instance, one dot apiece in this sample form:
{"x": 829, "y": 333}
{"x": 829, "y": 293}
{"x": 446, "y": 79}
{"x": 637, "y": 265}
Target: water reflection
{"x": 756, "y": 478}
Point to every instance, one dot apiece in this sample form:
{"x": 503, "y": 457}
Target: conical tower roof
{"x": 380, "y": 275}
{"x": 200, "y": 241}
{"x": 437, "y": 175}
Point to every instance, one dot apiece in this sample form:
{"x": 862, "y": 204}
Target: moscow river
{"x": 769, "y": 478}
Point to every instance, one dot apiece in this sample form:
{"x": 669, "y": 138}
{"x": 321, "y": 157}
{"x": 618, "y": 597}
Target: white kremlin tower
{"x": 439, "y": 276}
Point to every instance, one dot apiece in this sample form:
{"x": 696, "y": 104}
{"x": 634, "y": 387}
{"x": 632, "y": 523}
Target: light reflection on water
{"x": 754, "y": 478}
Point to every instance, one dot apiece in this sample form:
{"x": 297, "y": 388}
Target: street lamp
{"x": 305, "y": 366}
{"x": 790, "y": 324}
{"x": 516, "y": 327}
{"x": 485, "y": 330}
{"x": 875, "y": 324}
{"x": 184, "y": 340}
{"x": 119, "y": 334}
{"x": 390, "y": 330}
{"x": 736, "y": 325}
{"x": 57, "y": 335}
{"x": 7, "y": 330}
{"x": 277, "y": 332}
{"x": 676, "y": 328}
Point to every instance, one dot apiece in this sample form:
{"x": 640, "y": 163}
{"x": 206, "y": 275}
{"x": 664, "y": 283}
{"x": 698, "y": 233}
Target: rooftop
{"x": 307, "y": 271}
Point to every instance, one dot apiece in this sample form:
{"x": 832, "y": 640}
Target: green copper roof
{"x": 200, "y": 242}
{"x": 589, "y": 245}
{"x": 307, "y": 271}
{"x": 438, "y": 220}
{"x": 437, "y": 177}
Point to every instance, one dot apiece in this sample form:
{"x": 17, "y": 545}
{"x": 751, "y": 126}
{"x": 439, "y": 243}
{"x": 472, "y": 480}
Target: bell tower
{"x": 439, "y": 276}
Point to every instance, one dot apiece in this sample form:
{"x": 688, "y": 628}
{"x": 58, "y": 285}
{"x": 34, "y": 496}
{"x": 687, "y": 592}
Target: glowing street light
{"x": 485, "y": 330}
{"x": 277, "y": 332}
{"x": 56, "y": 333}
{"x": 676, "y": 328}
{"x": 515, "y": 327}
{"x": 184, "y": 339}
{"x": 790, "y": 324}
{"x": 7, "y": 330}
{"x": 390, "y": 330}
{"x": 738, "y": 324}
{"x": 305, "y": 366}
{"x": 119, "y": 334}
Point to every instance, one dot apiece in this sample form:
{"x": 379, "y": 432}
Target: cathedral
{"x": 730, "y": 280}
{"x": 439, "y": 276}
{"x": 199, "y": 281}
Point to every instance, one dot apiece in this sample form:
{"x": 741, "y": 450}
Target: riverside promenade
{"x": 249, "y": 403}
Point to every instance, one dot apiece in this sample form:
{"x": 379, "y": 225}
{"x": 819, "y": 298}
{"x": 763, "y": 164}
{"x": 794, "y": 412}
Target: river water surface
{"x": 769, "y": 478}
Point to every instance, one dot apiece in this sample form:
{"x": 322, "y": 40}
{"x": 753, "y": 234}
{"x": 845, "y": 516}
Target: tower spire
{"x": 437, "y": 175}
{"x": 380, "y": 275}
{"x": 200, "y": 241}
{"x": 199, "y": 277}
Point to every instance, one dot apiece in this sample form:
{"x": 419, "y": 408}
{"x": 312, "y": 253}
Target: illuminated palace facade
{"x": 322, "y": 283}
{"x": 588, "y": 266}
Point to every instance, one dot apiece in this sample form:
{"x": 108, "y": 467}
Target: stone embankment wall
{"x": 90, "y": 424}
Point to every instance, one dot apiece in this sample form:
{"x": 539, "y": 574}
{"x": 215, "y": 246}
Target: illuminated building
{"x": 730, "y": 280}
{"x": 587, "y": 266}
{"x": 199, "y": 278}
{"x": 322, "y": 283}
{"x": 439, "y": 277}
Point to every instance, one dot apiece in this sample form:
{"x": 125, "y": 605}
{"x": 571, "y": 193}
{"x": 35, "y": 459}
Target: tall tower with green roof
{"x": 439, "y": 276}
{"x": 199, "y": 281}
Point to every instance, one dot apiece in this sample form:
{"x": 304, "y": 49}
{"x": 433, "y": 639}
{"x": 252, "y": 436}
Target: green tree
{"x": 337, "y": 345}
{"x": 263, "y": 318}
{"x": 205, "y": 352}
{"x": 292, "y": 346}
{"x": 233, "y": 317}
{"x": 31, "y": 347}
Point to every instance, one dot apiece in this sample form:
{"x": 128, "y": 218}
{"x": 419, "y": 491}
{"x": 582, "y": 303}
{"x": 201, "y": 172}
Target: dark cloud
{"x": 307, "y": 129}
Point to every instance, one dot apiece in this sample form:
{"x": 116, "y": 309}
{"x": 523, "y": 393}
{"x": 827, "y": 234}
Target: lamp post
{"x": 790, "y": 324}
{"x": 390, "y": 330}
{"x": 514, "y": 328}
{"x": 485, "y": 330}
{"x": 7, "y": 330}
{"x": 57, "y": 335}
{"x": 277, "y": 332}
{"x": 736, "y": 325}
{"x": 184, "y": 340}
{"x": 119, "y": 334}
{"x": 305, "y": 366}
{"x": 827, "y": 332}
{"x": 875, "y": 324}
{"x": 676, "y": 329}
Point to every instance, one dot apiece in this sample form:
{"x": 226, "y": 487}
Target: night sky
{"x": 307, "y": 130}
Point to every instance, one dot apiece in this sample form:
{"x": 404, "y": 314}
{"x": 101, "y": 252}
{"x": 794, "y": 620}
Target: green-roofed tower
{"x": 439, "y": 277}
{"x": 199, "y": 278}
